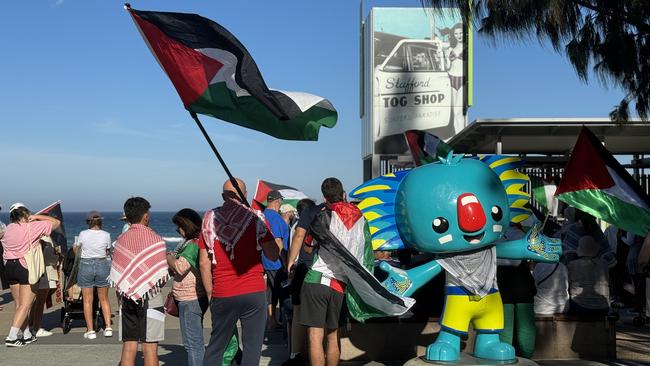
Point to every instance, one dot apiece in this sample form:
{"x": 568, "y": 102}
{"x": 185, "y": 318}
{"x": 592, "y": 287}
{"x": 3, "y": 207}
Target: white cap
{"x": 15, "y": 206}
{"x": 287, "y": 208}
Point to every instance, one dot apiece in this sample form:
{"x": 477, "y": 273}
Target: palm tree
{"x": 610, "y": 37}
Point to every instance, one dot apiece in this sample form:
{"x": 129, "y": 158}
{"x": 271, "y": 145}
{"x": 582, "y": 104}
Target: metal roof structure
{"x": 549, "y": 136}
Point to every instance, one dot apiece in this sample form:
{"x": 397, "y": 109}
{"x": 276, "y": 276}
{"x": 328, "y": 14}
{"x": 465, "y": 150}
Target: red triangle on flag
{"x": 586, "y": 169}
{"x": 189, "y": 70}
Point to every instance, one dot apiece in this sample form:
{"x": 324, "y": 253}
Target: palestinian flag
{"x": 543, "y": 193}
{"x": 58, "y": 239}
{"x": 425, "y": 147}
{"x": 594, "y": 182}
{"x": 215, "y": 75}
{"x": 290, "y": 195}
{"x": 345, "y": 254}
{"x": 58, "y": 235}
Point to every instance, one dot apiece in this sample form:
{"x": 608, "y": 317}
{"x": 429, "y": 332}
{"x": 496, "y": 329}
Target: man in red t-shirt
{"x": 231, "y": 270}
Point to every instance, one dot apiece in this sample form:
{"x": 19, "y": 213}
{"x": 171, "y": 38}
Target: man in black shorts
{"x": 323, "y": 291}
{"x": 298, "y": 333}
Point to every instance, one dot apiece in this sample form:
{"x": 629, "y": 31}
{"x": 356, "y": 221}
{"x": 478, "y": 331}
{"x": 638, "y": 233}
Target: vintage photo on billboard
{"x": 419, "y": 75}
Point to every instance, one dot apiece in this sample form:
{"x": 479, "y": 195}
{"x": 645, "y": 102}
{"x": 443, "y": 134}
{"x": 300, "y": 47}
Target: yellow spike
{"x": 390, "y": 175}
{"x": 369, "y": 202}
{"x": 519, "y": 218}
{"x": 373, "y": 229}
{"x": 516, "y": 189}
{"x": 377, "y": 243}
{"x": 520, "y": 203}
{"x": 371, "y": 215}
{"x": 503, "y": 161}
{"x": 513, "y": 174}
{"x": 375, "y": 187}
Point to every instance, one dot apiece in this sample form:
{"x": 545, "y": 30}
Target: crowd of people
{"x": 262, "y": 270}
{"x": 598, "y": 274}
{"x": 247, "y": 267}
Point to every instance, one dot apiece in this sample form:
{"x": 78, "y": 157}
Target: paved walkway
{"x": 633, "y": 344}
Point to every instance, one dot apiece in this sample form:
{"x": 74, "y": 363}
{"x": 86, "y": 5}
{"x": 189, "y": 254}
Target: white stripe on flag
{"x": 624, "y": 192}
{"x": 227, "y": 72}
{"x": 290, "y": 194}
{"x": 303, "y": 100}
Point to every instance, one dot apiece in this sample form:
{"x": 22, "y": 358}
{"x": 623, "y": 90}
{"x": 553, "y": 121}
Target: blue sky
{"x": 88, "y": 116}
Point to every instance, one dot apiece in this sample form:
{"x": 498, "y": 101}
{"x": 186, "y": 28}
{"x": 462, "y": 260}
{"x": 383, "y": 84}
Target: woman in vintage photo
{"x": 454, "y": 57}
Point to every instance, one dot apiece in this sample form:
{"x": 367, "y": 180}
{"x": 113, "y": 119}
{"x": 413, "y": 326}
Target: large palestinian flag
{"x": 596, "y": 183}
{"x": 345, "y": 253}
{"x": 215, "y": 75}
{"x": 290, "y": 195}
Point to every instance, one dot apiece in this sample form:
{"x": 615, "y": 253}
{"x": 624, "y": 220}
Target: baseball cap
{"x": 273, "y": 195}
{"x": 93, "y": 215}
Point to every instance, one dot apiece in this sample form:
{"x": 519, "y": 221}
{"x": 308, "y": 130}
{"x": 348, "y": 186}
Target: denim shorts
{"x": 93, "y": 272}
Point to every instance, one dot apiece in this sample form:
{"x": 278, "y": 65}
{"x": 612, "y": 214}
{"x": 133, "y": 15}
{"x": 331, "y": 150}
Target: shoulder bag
{"x": 35, "y": 261}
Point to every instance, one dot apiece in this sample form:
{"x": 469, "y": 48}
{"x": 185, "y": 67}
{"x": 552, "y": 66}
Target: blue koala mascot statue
{"x": 457, "y": 209}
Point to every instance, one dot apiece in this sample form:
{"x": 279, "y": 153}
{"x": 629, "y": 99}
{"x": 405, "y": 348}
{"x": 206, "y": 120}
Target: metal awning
{"x": 549, "y": 136}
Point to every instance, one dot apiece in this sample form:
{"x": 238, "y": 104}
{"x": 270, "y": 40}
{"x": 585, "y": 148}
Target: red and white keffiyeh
{"x": 139, "y": 269}
{"x": 228, "y": 223}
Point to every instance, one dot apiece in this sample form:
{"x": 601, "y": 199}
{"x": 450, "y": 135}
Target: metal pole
{"x": 223, "y": 163}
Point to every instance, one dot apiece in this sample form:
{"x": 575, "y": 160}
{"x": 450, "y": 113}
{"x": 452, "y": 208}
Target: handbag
{"x": 35, "y": 261}
{"x": 35, "y": 264}
{"x": 170, "y": 306}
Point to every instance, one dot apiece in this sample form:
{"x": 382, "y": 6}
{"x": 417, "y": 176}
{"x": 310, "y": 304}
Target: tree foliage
{"x": 610, "y": 37}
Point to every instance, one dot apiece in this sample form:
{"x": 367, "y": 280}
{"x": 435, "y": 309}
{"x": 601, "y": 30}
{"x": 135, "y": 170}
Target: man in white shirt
{"x": 552, "y": 282}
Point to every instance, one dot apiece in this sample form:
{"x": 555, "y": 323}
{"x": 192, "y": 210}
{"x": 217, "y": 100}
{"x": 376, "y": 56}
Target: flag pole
{"x": 223, "y": 163}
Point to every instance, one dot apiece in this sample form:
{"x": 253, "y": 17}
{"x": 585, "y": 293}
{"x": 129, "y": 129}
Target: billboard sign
{"x": 416, "y": 75}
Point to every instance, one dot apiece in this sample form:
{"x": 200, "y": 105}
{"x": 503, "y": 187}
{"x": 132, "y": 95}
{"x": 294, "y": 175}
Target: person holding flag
{"x": 335, "y": 223}
{"x": 232, "y": 273}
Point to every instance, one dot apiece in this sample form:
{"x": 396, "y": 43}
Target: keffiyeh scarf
{"x": 227, "y": 224}
{"x": 139, "y": 268}
{"x": 475, "y": 271}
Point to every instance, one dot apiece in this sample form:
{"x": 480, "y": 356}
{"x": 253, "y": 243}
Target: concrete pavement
{"x": 633, "y": 344}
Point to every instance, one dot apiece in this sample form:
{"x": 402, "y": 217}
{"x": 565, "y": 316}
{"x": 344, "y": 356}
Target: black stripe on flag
{"x": 196, "y": 32}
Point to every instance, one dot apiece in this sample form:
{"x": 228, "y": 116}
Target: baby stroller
{"x": 72, "y": 299}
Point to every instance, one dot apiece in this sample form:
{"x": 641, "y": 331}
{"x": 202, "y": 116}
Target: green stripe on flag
{"x": 221, "y": 102}
{"x": 609, "y": 208}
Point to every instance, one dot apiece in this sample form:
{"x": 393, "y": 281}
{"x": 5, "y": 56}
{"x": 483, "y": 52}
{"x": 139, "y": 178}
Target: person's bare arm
{"x": 296, "y": 244}
{"x": 278, "y": 242}
{"x": 205, "y": 267}
{"x": 171, "y": 260}
{"x": 55, "y": 222}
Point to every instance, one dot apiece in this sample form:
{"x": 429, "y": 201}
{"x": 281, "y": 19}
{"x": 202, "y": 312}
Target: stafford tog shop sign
{"x": 415, "y": 75}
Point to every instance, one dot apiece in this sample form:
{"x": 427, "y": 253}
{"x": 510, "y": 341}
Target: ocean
{"x": 75, "y": 222}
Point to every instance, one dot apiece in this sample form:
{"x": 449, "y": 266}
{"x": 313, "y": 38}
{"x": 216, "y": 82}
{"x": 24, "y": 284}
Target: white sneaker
{"x": 90, "y": 334}
{"x": 108, "y": 332}
{"x": 43, "y": 333}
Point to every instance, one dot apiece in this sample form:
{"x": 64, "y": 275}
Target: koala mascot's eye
{"x": 497, "y": 213}
{"x": 440, "y": 225}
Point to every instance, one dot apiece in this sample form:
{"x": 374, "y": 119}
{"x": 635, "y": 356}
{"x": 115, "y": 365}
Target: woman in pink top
{"x": 22, "y": 234}
{"x": 187, "y": 290}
